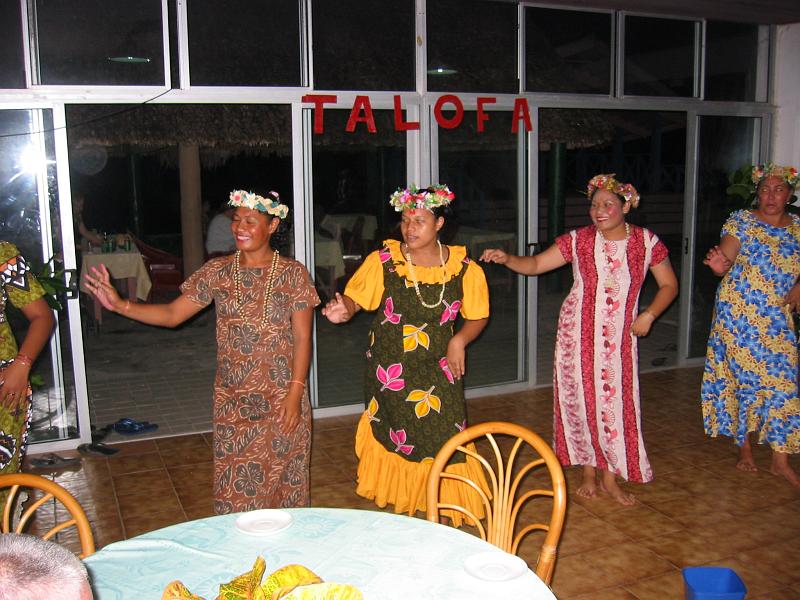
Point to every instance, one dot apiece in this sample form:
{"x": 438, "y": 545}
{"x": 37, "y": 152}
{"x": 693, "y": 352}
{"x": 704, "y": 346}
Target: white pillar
{"x": 786, "y": 140}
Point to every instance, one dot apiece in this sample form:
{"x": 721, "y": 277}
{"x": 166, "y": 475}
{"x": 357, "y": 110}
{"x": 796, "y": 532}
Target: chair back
{"x": 165, "y": 269}
{"x": 49, "y": 491}
{"x": 508, "y": 484}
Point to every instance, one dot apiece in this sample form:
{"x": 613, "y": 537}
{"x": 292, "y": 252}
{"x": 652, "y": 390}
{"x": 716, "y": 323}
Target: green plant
{"x": 741, "y": 191}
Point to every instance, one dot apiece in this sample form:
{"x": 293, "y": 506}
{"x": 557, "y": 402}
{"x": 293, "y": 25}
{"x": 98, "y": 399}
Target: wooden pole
{"x": 191, "y": 207}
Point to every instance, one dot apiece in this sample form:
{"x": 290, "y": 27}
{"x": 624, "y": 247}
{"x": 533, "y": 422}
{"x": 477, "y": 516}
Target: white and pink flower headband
{"x": 607, "y": 182}
{"x": 270, "y": 205}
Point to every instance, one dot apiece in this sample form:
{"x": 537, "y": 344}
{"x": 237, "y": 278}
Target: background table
{"x": 334, "y": 223}
{"x": 120, "y": 265}
{"x": 386, "y": 556}
{"x": 477, "y": 240}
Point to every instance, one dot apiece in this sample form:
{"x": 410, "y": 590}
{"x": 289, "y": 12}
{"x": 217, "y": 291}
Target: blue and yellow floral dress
{"x": 414, "y": 404}
{"x": 750, "y": 378}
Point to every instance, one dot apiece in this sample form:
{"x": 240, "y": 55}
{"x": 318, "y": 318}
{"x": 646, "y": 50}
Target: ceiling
{"x": 765, "y": 12}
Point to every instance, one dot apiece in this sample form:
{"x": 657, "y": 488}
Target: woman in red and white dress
{"x": 597, "y": 420}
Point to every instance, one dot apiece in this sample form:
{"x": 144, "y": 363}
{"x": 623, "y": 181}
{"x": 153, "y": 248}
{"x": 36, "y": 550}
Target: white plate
{"x": 495, "y": 566}
{"x": 263, "y": 522}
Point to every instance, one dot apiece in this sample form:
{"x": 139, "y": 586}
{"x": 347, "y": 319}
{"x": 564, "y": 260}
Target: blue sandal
{"x": 131, "y": 427}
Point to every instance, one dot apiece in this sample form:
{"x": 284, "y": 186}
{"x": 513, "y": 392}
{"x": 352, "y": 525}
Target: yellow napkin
{"x": 292, "y": 582}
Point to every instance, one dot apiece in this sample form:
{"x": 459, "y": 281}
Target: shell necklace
{"x": 237, "y": 280}
{"x": 416, "y": 283}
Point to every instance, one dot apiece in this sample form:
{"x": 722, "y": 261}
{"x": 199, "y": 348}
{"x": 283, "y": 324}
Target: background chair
{"x": 165, "y": 269}
{"x": 43, "y": 491}
{"x": 507, "y": 479}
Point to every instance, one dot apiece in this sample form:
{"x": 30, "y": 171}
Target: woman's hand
{"x": 455, "y": 357}
{"x": 641, "y": 326}
{"x": 336, "y": 310}
{"x": 99, "y": 283}
{"x": 717, "y": 261}
{"x": 14, "y": 385}
{"x": 792, "y": 299}
{"x": 289, "y": 413}
{"x": 495, "y": 255}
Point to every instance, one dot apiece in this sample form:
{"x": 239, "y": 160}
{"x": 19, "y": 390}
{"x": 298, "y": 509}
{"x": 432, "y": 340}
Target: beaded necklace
{"x": 237, "y": 281}
{"x": 416, "y": 283}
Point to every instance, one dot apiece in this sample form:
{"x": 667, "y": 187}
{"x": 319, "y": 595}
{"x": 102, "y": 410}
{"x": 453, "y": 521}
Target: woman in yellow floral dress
{"x": 264, "y": 304}
{"x": 415, "y": 362}
{"x": 750, "y": 378}
{"x": 19, "y": 286}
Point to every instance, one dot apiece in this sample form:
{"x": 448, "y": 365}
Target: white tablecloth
{"x": 335, "y": 223}
{"x": 120, "y": 265}
{"x": 477, "y": 240}
{"x": 328, "y": 253}
{"x": 386, "y": 556}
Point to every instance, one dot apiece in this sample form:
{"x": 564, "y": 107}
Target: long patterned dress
{"x": 414, "y": 405}
{"x": 18, "y": 285}
{"x": 255, "y": 464}
{"x": 750, "y": 376}
{"x": 596, "y": 380}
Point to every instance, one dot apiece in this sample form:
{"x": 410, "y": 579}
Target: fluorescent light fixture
{"x": 129, "y": 59}
{"x": 442, "y": 71}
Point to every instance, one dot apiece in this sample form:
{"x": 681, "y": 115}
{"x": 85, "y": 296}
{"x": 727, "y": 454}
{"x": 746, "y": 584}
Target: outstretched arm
{"x": 456, "y": 347}
{"x": 164, "y": 315}
{"x": 720, "y": 258}
{"x": 340, "y": 309}
{"x": 548, "y": 260}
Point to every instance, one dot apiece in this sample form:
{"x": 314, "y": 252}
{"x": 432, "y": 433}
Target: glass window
{"x": 645, "y": 148}
{"x": 732, "y": 61}
{"x": 659, "y": 57}
{"x": 12, "y": 63}
{"x": 567, "y": 51}
{"x": 244, "y": 42}
{"x": 482, "y": 170}
{"x": 364, "y": 45}
{"x": 354, "y": 174}
{"x": 472, "y": 46}
{"x": 725, "y": 145}
{"x": 97, "y": 42}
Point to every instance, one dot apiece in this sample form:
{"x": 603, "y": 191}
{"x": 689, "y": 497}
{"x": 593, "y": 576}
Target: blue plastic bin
{"x": 713, "y": 583}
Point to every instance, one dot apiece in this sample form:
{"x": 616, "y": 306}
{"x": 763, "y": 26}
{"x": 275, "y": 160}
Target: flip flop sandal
{"x": 131, "y": 427}
{"x": 101, "y": 449}
{"x": 54, "y": 461}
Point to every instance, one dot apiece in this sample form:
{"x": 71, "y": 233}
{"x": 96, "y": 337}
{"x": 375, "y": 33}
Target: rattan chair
{"x": 48, "y": 491}
{"x": 507, "y": 481}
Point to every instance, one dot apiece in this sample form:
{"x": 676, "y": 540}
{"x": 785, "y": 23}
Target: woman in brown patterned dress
{"x": 264, "y": 303}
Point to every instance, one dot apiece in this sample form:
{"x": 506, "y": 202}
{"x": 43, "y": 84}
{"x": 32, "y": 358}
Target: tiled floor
{"x": 699, "y": 510}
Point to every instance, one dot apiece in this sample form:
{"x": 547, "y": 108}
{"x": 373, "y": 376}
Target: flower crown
{"x": 429, "y": 198}
{"x": 607, "y": 182}
{"x": 788, "y": 174}
{"x": 270, "y": 205}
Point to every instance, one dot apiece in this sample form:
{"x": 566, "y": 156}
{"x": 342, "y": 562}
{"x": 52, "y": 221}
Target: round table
{"x": 386, "y": 556}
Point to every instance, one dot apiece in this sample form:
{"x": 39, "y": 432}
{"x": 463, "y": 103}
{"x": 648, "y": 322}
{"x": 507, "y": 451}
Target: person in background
{"x": 414, "y": 391}
{"x": 264, "y": 306}
{"x": 219, "y": 238}
{"x": 19, "y": 286}
{"x": 596, "y": 383}
{"x": 750, "y": 377}
{"x": 33, "y": 569}
{"x": 87, "y": 237}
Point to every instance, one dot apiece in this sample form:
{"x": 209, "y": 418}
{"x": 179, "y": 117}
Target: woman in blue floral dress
{"x": 750, "y": 378}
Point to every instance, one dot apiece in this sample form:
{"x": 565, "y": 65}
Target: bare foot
{"x": 588, "y": 487}
{"x": 747, "y": 465}
{"x": 780, "y": 466}
{"x": 746, "y": 461}
{"x": 609, "y": 485}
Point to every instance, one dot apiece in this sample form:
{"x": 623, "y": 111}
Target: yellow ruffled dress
{"x": 414, "y": 404}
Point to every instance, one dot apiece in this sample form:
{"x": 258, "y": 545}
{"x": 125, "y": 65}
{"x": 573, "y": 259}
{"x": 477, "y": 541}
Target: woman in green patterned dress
{"x": 415, "y": 362}
{"x": 18, "y": 285}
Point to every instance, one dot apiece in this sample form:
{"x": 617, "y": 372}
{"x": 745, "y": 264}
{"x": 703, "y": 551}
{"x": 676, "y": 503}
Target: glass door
{"x": 32, "y": 164}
